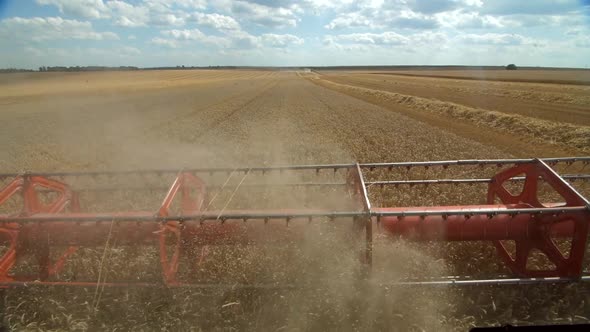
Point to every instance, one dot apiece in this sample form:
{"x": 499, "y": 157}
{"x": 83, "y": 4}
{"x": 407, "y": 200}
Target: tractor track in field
{"x": 195, "y": 112}
{"x": 229, "y": 115}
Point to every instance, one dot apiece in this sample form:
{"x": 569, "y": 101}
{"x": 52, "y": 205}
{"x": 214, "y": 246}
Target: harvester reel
{"x": 39, "y": 214}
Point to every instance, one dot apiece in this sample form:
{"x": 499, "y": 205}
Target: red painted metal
{"x": 188, "y": 196}
{"x": 541, "y": 226}
{"x": 28, "y": 187}
{"x": 465, "y": 228}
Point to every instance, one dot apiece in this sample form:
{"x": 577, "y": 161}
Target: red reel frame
{"x": 190, "y": 204}
{"x": 28, "y": 187}
{"x": 541, "y": 227}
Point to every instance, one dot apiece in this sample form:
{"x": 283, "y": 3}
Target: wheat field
{"x": 224, "y": 118}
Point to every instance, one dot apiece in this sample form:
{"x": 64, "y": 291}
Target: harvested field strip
{"x": 523, "y": 80}
{"x": 549, "y": 102}
{"x": 567, "y": 135}
{"x": 571, "y": 77}
{"x": 549, "y": 93}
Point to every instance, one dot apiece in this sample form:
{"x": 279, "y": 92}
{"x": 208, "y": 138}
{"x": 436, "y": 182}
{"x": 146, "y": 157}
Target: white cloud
{"x": 469, "y": 20}
{"x": 434, "y": 39}
{"x": 494, "y": 39}
{"x": 318, "y": 6}
{"x": 130, "y": 14}
{"x": 433, "y": 7}
{"x": 194, "y": 34}
{"x": 80, "y": 8}
{"x": 360, "y": 31}
{"x": 165, "y": 20}
{"x": 383, "y": 18}
{"x": 50, "y": 28}
{"x": 188, "y": 4}
{"x": 244, "y": 41}
{"x": 274, "y": 40}
{"x": 262, "y": 15}
{"x": 101, "y": 9}
{"x": 215, "y": 21}
{"x": 350, "y": 20}
{"x": 385, "y": 38}
{"x": 409, "y": 20}
{"x": 146, "y": 14}
{"x": 172, "y": 43}
{"x": 536, "y": 7}
{"x": 460, "y": 14}
{"x": 238, "y": 40}
{"x": 128, "y": 51}
{"x": 177, "y": 38}
{"x": 387, "y": 42}
{"x": 81, "y": 56}
{"x": 530, "y": 20}
{"x": 127, "y": 15}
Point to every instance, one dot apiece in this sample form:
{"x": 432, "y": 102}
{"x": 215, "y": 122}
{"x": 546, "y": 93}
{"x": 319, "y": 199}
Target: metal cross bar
{"x": 201, "y": 286}
{"x": 474, "y": 212}
{"x": 209, "y": 186}
{"x": 213, "y": 286}
{"x": 489, "y": 282}
{"x": 335, "y": 167}
{"x": 262, "y": 169}
{"x": 262, "y": 215}
{"x": 570, "y": 177}
{"x": 470, "y": 162}
{"x": 208, "y": 216}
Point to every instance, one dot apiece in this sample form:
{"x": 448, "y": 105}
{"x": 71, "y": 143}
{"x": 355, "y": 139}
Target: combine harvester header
{"x": 50, "y": 216}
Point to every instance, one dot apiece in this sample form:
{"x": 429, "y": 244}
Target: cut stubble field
{"x": 211, "y": 118}
{"x": 76, "y": 120}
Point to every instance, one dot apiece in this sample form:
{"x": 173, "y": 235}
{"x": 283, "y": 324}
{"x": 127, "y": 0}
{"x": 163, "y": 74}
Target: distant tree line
{"x": 85, "y": 68}
{"x": 311, "y": 68}
{"x": 14, "y": 70}
{"x": 121, "y": 68}
{"x": 193, "y": 67}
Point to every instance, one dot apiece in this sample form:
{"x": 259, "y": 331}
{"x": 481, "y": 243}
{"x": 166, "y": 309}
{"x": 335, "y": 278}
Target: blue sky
{"x": 296, "y": 33}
